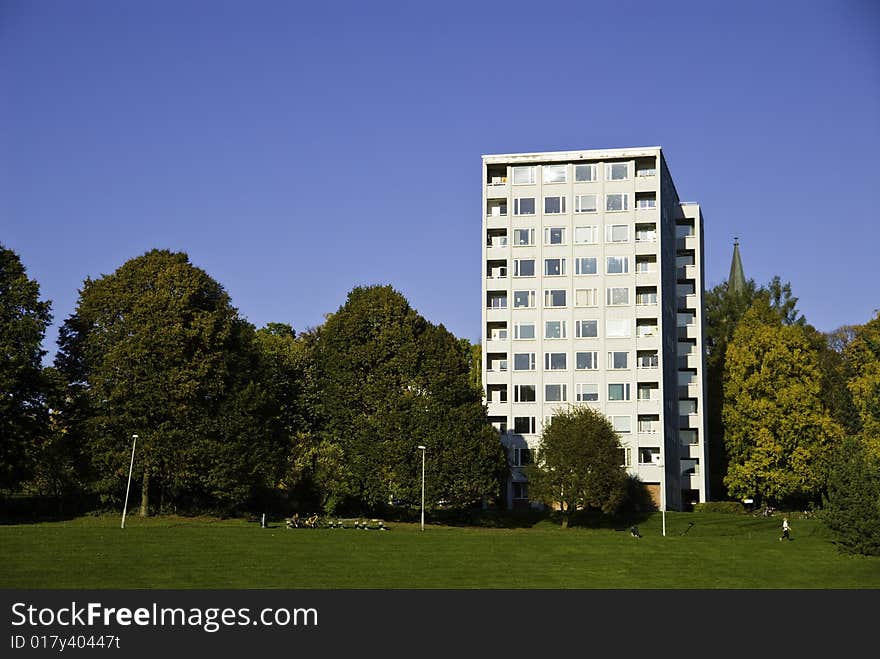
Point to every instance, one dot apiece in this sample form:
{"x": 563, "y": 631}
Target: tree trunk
{"x": 145, "y": 495}
{"x": 564, "y": 516}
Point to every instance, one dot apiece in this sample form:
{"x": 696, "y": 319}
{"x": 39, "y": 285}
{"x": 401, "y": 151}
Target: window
{"x": 555, "y": 361}
{"x": 554, "y": 236}
{"x": 587, "y": 235}
{"x": 618, "y": 328}
{"x": 496, "y": 207}
{"x": 616, "y": 297}
{"x": 688, "y": 437}
{"x": 646, "y": 233}
{"x": 646, "y": 329}
{"x": 618, "y": 360}
{"x": 617, "y": 233}
{"x": 647, "y": 359}
{"x": 614, "y": 265}
{"x": 523, "y": 299}
{"x": 648, "y": 391}
{"x": 520, "y": 491}
{"x": 521, "y": 457}
{"x": 622, "y": 423}
{"x": 584, "y": 173}
{"x": 585, "y": 265}
{"x": 524, "y": 393}
{"x": 586, "y": 297}
{"x": 646, "y": 264}
{"x": 586, "y": 361}
{"x": 524, "y": 206}
{"x": 524, "y": 425}
{"x": 613, "y": 202}
{"x": 616, "y": 171}
{"x": 496, "y": 301}
{"x": 554, "y": 329}
{"x": 646, "y": 296}
{"x": 587, "y": 392}
{"x": 586, "y": 329}
{"x": 648, "y": 454}
{"x": 585, "y": 203}
{"x": 625, "y": 456}
{"x": 523, "y": 267}
{"x": 555, "y": 173}
{"x": 554, "y": 205}
{"x": 523, "y": 361}
{"x": 524, "y": 330}
{"x": 555, "y": 393}
{"x": 523, "y": 237}
{"x": 618, "y": 392}
{"x": 523, "y": 175}
{"x": 646, "y": 202}
{"x": 554, "y": 267}
{"x": 554, "y": 298}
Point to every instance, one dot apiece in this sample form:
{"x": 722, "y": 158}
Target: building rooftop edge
{"x": 577, "y": 154}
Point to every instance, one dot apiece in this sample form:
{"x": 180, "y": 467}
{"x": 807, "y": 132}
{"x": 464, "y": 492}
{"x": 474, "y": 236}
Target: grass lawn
{"x": 701, "y": 550}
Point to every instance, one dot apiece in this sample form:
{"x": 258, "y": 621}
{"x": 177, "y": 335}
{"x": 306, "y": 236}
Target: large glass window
{"x": 587, "y": 235}
{"x": 585, "y": 265}
{"x": 586, "y": 297}
{"x": 555, "y": 173}
{"x": 555, "y": 361}
{"x": 523, "y": 237}
{"x": 622, "y": 423}
{"x": 554, "y": 236}
{"x": 585, "y": 203}
{"x": 618, "y": 328}
{"x": 617, "y": 233}
{"x": 524, "y": 206}
{"x": 587, "y": 392}
{"x": 617, "y": 296}
{"x": 554, "y": 329}
{"x": 555, "y": 393}
{"x": 586, "y": 329}
{"x": 523, "y": 299}
{"x": 586, "y": 361}
{"x": 616, "y": 171}
{"x": 524, "y": 393}
{"x": 524, "y": 331}
{"x": 554, "y": 205}
{"x": 523, "y": 361}
{"x": 524, "y": 425}
{"x": 618, "y": 391}
{"x": 618, "y": 360}
{"x": 523, "y": 267}
{"x": 617, "y": 265}
{"x": 554, "y": 298}
{"x": 614, "y": 202}
{"x": 585, "y": 173}
{"x": 554, "y": 267}
{"x": 523, "y": 175}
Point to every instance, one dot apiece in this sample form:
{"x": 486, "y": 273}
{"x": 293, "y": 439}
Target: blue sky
{"x": 296, "y": 150}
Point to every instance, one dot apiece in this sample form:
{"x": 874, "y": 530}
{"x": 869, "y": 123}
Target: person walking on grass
{"x": 786, "y": 529}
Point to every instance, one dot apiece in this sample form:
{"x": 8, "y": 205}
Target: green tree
{"x": 389, "y": 382}
{"x": 863, "y": 357}
{"x": 156, "y": 349}
{"x": 778, "y": 433}
{"x": 578, "y": 464}
{"x": 23, "y": 412}
{"x": 851, "y": 508}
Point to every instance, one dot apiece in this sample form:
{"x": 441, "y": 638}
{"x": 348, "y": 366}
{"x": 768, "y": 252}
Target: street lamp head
{"x": 134, "y": 436}
{"x": 421, "y": 447}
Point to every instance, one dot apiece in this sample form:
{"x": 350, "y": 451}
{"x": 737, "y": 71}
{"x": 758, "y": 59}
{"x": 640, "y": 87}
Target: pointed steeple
{"x": 736, "y": 282}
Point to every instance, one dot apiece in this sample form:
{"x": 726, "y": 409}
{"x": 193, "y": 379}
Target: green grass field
{"x": 701, "y": 550}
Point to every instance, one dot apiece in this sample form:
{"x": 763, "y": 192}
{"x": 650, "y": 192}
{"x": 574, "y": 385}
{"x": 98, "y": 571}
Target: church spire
{"x": 736, "y": 282}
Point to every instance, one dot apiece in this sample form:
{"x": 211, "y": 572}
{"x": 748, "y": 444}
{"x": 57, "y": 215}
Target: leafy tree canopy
{"x": 23, "y": 414}
{"x": 578, "y": 463}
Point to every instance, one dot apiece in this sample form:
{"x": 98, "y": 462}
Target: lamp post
{"x": 422, "y": 449}
{"x": 134, "y": 439}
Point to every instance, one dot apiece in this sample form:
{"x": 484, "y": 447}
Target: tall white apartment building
{"x": 593, "y": 295}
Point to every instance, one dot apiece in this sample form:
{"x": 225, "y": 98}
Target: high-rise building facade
{"x": 593, "y": 295}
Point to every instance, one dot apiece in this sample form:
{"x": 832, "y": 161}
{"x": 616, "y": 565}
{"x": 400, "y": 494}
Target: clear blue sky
{"x": 295, "y": 150}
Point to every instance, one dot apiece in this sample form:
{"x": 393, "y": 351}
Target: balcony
{"x": 686, "y": 331}
{"x": 687, "y": 362}
{"x": 647, "y": 246}
{"x": 649, "y": 406}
